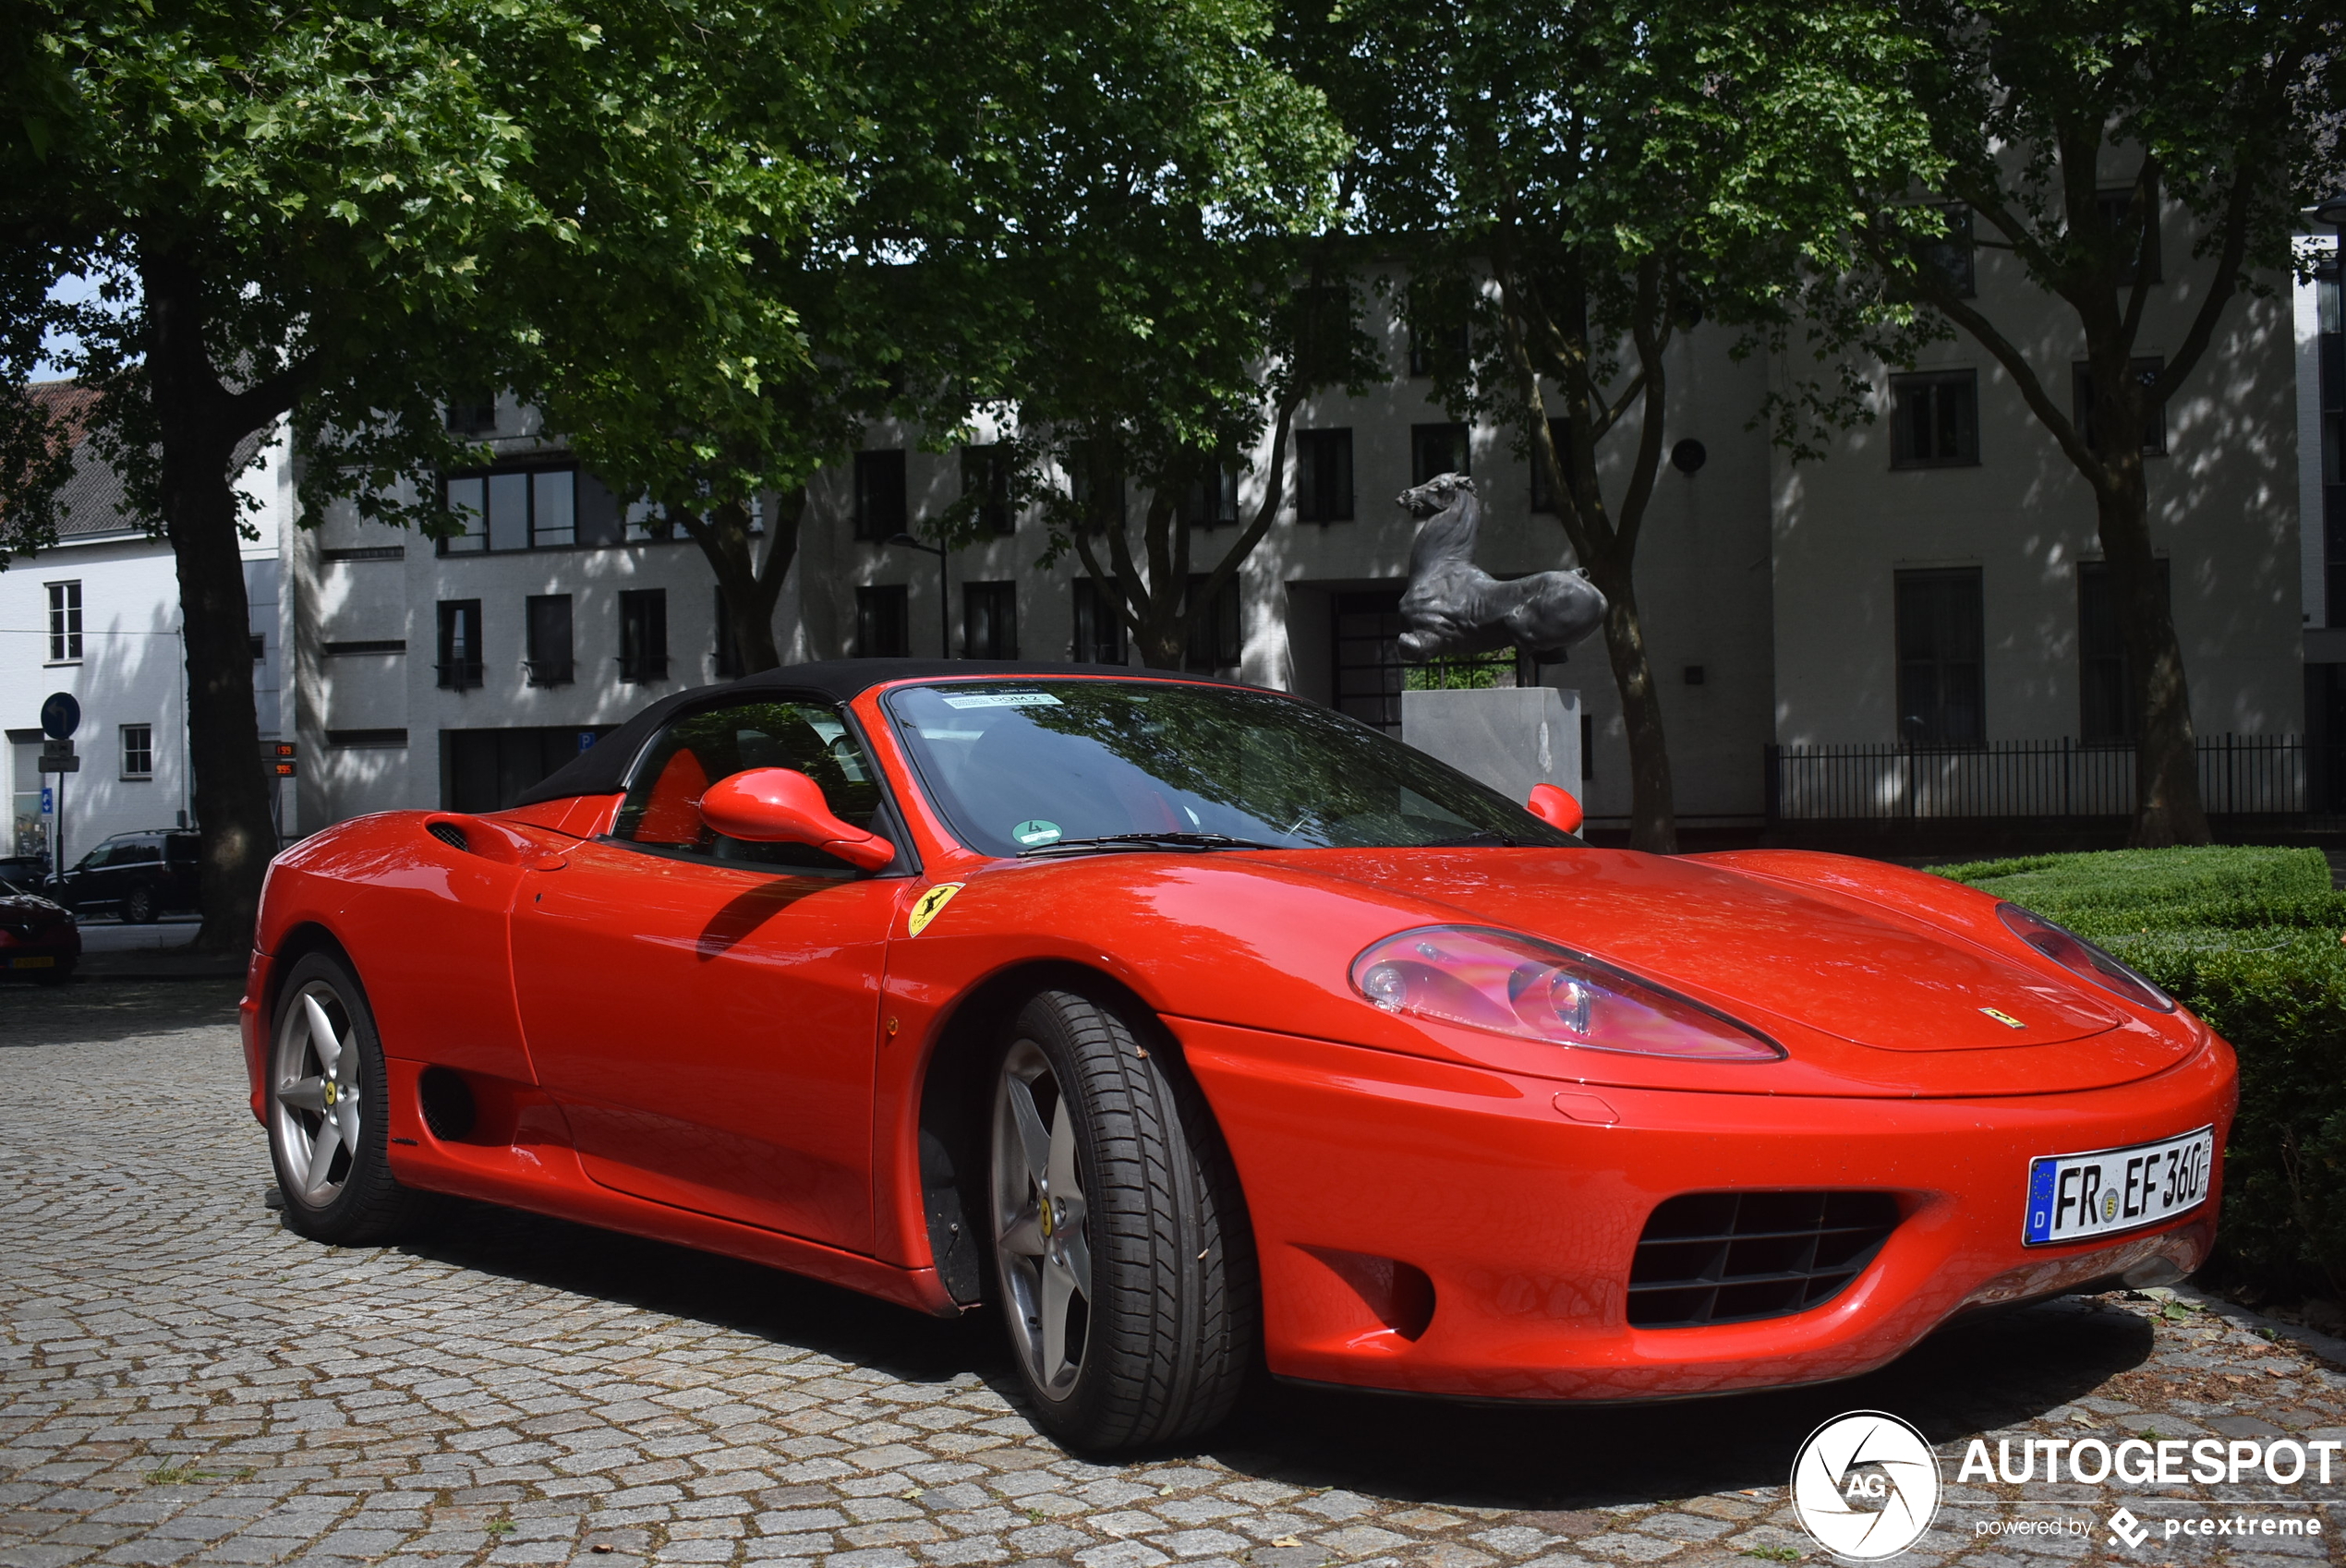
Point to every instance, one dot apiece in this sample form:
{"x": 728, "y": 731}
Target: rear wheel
{"x": 1124, "y": 1264}
{"x": 139, "y": 905}
{"x": 328, "y": 1094}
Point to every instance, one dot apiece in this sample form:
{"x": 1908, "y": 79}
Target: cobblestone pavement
{"x": 182, "y": 1381}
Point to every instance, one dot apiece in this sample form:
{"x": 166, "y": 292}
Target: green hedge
{"x": 2249, "y": 939}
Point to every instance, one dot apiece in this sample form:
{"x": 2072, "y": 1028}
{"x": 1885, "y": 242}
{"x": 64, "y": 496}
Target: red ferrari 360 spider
{"x": 1191, "y": 1023}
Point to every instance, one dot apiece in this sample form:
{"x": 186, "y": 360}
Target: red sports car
{"x": 1189, "y": 1023}
{"x": 38, "y": 939}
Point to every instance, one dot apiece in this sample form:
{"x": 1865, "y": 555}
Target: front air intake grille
{"x": 1731, "y": 1257}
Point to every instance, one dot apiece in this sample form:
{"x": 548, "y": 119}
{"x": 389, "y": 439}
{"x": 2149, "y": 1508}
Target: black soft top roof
{"x": 601, "y": 769}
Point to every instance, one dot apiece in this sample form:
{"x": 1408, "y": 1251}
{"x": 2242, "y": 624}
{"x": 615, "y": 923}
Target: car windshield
{"x": 1056, "y": 766}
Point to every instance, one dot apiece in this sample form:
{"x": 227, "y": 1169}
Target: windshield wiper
{"x": 1112, "y": 842}
{"x": 1499, "y": 838}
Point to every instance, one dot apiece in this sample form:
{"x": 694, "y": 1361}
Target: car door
{"x": 706, "y": 1009}
{"x": 90, "y": 885}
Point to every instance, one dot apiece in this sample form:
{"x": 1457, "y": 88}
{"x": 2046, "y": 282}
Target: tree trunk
{"x": 2167, "y": 810}
{"x": 1654, "y": 818}
{"x": 750, "y": 587}
{"x": 196, "y": 419}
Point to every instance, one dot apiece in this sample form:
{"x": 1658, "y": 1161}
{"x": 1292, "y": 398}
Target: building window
{"x": 989, "y": 621}
{"x": 879, "y": 494}
{"x": 459, "y": 665}
{"x": 1436, "y": 449}
{"x": 882, "y": 621}
{"x": 1940, "y": 644}
{"x": 1934, "y": 420}
{"x": 138, "y": 751}
{"x": 64, "y": 622}
{"x": 1560, "y": 432}
{"x": 1951, "y": 254}
{"x": 1441, "y": 332}
{"x": 547, "y": 659}
{"x": 517, "y": 509}
{"x": 1324, "y": 476}
{"x": 474, "y": 414}
{"x": 985, "y": 475}
{"x": 2145, "y": 371}
{"x": 1212, "y": 500}
{"x": 1097, "y": 501}
{"x": 2117, "y": 209}
{"x": 1099, "y": 626}
{"x": 482, "y": 770}
{"x": 365, "y": 739}
{"x": 643, "y": 635}
{"x": 2107, "y": 710}
{"x": 1215, "y": 640}
{"x": 258, "y": 645}
{"x": 728, "y": 654}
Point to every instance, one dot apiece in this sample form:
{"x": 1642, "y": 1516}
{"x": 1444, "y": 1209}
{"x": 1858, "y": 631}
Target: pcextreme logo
{"x": 1865, "y": 1486}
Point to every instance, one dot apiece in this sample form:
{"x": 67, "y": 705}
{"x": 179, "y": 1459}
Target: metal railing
{"x": 1880, "y": 782}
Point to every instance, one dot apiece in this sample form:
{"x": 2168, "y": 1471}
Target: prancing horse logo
{"x": 925, "y": 908}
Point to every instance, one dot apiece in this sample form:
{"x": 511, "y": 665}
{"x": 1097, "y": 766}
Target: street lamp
{"x": 944, "y": 620}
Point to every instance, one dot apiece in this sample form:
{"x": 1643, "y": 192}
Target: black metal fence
{"x": 2238, "y": 775}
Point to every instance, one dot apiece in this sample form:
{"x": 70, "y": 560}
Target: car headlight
{"x": 1509, "y": 984}
{"x": 2080, "y": 956}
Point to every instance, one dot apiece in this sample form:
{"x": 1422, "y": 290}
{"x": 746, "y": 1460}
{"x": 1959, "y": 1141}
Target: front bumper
{"x": 1370, "y": 1176}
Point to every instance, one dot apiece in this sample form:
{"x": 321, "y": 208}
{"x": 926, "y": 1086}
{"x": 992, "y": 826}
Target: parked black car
{"x": 26, "y": 872}
{"x": 140, "y": 876}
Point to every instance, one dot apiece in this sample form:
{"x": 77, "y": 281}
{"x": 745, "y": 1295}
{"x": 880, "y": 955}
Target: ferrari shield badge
{"x": 2000, "y": 1015}
{"x": 926, "y": 907}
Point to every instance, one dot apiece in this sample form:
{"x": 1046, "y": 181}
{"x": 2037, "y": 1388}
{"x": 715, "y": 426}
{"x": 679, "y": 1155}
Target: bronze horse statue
{"x": 1454, "y": 608}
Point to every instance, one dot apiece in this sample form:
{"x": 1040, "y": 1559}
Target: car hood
{"x": 1868, "y": 1000}
{"x": 1756, "y": 946}
{"x": 28, "y": 904}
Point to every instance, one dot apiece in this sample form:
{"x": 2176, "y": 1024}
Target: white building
{"x": 1931, "y": 589}
{"x": 96, "y": 616}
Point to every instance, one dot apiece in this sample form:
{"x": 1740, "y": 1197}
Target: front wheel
{"x": 328, "y": 1097}
{"x": 1122, "y": 1256}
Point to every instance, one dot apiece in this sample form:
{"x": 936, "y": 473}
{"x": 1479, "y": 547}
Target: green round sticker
{"x": 1036, "y": 831}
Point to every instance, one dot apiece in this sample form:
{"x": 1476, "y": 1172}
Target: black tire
{"x": 139, "y": 906}
{"x": 1169, "y": 1321}
{"x": 355, "y": 1201}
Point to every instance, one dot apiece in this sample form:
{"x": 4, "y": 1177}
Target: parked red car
{"x": 38, "y": 939}
{"x": 1188, "y": 1022}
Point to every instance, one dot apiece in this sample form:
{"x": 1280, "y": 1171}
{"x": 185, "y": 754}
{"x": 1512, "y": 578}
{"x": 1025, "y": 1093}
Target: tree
{"x": 2071, "y": 135}
{"x": 1156, "y": 196}
{"x": 1579, "y": 185}
{"x": 338, "y": 215}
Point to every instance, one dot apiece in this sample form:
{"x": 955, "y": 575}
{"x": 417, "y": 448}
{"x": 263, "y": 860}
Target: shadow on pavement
{"x": 1988, "y": 1373}
{"x": 87, "y": 1013}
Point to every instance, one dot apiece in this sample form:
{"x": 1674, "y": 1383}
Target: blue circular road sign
{"x": 60, "y": 716}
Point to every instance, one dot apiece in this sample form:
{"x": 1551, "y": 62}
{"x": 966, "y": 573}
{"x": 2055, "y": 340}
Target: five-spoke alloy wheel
{"x": 326, "y": 1093}
{"x": 1124, "y": 1265}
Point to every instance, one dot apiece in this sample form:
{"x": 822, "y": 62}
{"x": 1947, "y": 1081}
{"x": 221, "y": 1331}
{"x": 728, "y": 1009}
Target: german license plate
{"x": 2077, "y": 1197}
{"x": 32, "y": 961}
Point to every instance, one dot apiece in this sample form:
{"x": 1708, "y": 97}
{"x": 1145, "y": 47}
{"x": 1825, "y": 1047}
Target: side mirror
{"x": 781, "y": 805}
{"x": 1556, "y": 807}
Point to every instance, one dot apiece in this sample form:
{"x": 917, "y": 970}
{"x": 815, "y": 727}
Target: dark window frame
{"x": 459, "y": 671}
{"x": 1217, "y": 639}
{"x": 643, "y": 636}
{"x": 987, "y": 610}
{"x": 1445, "y": 439}
{"x": 2114, "y": 202}
{"x": 1929, "y": 645}
{"x": 883, "y": 494}
{"x": 986, "y": 472}
{"x": 1560, "y": 432}
{"x": 541, "y": 665}
{"x": 1955, "y": 255}
{"x": 143, "y": 748}
{"x": 2107, "y": 712}
{"x": 1939, "y": 385}
{"x": 883, "y": 614}
{"x": 1095, "y": 605}
{"x": 463, "y": 545}
{"x": 1324, "y": 487}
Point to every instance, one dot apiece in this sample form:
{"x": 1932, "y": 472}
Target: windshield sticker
{"x": 925, "y": 908}
{"x": 1034, "y": 830}
{"x": 1005, "y": 699}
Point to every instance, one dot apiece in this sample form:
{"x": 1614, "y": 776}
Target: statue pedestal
{"x": 1509, "y": 738}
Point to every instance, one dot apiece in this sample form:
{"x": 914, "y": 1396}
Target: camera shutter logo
{"x": 1865, "y": 1486}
